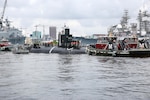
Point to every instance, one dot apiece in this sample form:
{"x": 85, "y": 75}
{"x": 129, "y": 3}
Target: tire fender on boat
{"x": 146, "y": 45}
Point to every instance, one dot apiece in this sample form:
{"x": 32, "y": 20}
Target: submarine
{"x": 66, "y": 45}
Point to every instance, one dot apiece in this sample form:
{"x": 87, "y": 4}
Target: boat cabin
{"x": 122, "y": 43}
{"x": 4, "y": 42}
{"x": 126, "y": 43}
{"x": 105, "y": 42}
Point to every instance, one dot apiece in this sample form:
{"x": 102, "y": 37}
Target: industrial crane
{"x": 39, "y": 25}
{"x": 2, "y": 16}
{"x": 5, "y": 3}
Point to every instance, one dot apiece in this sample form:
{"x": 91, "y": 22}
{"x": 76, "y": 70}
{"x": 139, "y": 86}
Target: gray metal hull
{"x": 57, "y": 50}
{"x": 68, "y": 51}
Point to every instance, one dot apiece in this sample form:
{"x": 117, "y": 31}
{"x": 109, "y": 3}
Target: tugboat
{"x": 122, "y": 41}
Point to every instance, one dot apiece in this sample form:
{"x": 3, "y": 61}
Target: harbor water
{"x": 73, "y": 77}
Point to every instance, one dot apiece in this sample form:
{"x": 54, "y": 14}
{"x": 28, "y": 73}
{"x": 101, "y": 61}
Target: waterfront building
{"x": 36, "y": 36}
{"x": 52, "y": 32}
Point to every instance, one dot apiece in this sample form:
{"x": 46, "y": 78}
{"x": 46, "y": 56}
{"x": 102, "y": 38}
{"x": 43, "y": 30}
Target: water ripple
{"x": 73, "y": 77}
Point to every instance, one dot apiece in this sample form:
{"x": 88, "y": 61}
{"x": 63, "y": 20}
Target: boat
{"x": 5, "y": 45}
{"x": 121, "y": 41}
{"x": 128, "y": 47}
{"x": 107, "y": 45}
{"x": 66, "y": 45}
{"x": 20, "y": 49}
{"x": 12, "y": 34}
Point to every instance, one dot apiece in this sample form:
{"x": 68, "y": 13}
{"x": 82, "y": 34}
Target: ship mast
{"x": 144, "y": 19}
{"x": 124, "y": 20}
{"x": 140, "y": 22}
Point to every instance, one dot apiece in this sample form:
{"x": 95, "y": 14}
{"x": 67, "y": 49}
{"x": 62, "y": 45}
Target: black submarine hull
{"x": 58, "y": 50}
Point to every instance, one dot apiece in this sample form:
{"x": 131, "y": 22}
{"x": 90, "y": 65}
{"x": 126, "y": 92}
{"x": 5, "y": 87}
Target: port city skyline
{"x": 83, "y": 17}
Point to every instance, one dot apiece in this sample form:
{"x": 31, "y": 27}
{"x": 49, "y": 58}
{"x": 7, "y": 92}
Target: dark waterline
{"x": 73, "y": 77}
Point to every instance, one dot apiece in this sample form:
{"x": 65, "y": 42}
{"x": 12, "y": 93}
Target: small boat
{"x": 5, "y": 45}
{"x": 20, "y": 49}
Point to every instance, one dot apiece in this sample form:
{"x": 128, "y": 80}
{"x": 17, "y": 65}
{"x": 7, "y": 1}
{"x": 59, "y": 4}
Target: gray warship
{"x": 12, "y": 34}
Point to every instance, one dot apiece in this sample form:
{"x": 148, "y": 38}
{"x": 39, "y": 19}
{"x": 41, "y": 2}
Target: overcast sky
{"x": 83, "y": 17}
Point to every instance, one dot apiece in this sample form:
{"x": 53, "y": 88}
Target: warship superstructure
{"x": 141, "y": 28}
{"x": 144, "y": 22}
